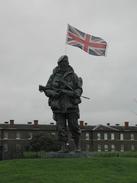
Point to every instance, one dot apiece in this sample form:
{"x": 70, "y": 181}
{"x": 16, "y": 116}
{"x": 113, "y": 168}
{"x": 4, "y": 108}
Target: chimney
{"x": 117, "y": 124}
{"x": 81, "y": 124}
{"x": 11, "y": 123}
{"x": 29, "y": 123}
{"x": 126, "y": 124}
{"x": 6, "y": 122}
{"x": 51, "y": 123}
{"x": 35, "y": 123}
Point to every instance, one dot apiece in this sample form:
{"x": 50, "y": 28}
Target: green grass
{"x": 117, "y": 154}
{"x": 84, "y": 170}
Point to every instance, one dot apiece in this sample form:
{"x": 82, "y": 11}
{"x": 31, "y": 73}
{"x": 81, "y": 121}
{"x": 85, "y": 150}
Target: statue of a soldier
{"x": 64, "y": 89}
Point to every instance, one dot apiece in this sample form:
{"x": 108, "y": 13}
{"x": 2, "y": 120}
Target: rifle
{"x": 42, "y": 88}
{"x": 69, "y": 87}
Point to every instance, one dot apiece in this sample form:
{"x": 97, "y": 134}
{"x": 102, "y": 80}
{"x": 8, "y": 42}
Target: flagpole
{"x": 106, "y": 51}
{"x": 66, "y": 41}
{"x": 65, "y": 51}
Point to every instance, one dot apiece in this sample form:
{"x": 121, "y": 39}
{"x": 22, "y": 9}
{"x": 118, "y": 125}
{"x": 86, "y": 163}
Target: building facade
{"x": 100, "y": 138}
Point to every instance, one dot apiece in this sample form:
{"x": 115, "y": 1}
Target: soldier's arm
{"x": 49, "y": 92}
{"x": 78, "y": 89}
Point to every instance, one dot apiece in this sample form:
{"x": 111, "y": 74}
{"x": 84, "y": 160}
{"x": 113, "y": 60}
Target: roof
{"x": 105, "y": 128}
{"x": 53, "y": 127}
{"x": 28, "y": 127}
{"x": 123, "y": 128}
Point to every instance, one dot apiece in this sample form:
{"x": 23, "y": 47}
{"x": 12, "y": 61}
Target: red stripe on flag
{"x": 86, "y": 42}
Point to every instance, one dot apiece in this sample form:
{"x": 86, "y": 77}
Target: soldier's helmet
{"x": 63, "y": 58}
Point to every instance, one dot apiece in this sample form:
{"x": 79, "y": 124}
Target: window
{"x": 5, "y": 135}
{"x": 5, "y": 147}
{"x": 112, "y": 147}
{"x": 87, "y": 147}
{"x": 17, "y": 135}
{"x": 132, "y": 147}
{"x": 132, "y": 136}
{"x": 106, "y": 147}
{"x": 112, "y": 136}
{"x": 87, "y": 136}
{"x": 98, "y": 136}
{"x": 30, "y": 136}
{"x": 122, "y": 148}
{"x": 18, "y": 147}
{"x": 105, "y": 136}
{"x": 121, "y": 136}
{"x": 99, "y": 148}
{"x": 53, "y": 133}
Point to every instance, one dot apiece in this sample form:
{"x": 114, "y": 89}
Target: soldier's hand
{"x": 68, "y": 92}
{"x": 50, "y": 93}
{"x": 57, "y": 94}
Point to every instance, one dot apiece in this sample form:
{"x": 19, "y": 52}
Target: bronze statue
{"x": 64, "y": 89}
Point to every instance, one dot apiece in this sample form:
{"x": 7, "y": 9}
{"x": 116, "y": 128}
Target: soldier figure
{"x": 64, "y": 89}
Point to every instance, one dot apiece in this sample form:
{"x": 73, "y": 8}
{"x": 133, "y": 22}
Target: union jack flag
{"x": 90, "y": 44}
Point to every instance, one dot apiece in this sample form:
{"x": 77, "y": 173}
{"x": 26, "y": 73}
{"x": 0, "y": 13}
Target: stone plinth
{"x": 70, "y": 154}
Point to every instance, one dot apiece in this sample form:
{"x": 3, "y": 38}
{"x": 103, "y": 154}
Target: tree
{"x": 44, "y": 141}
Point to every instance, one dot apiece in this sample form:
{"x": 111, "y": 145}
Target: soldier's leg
{"x": 61, "y": 127}
{"x": 62, "y": 130}
{"x": 74, "y": 129}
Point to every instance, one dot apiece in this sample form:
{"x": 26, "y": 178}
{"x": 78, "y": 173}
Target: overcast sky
{"x": 32, "y": 38}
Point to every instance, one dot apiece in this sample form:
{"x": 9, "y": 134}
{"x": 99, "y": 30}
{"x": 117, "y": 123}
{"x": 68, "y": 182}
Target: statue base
{"x": 70, "y": 154}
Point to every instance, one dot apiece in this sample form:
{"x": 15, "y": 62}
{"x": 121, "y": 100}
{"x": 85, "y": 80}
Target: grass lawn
{"x": 78, "y": 170}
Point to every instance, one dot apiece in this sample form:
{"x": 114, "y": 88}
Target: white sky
{"x": 32, "y": 38}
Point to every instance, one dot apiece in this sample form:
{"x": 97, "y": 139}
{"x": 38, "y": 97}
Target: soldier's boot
{"x": 67, "y": 147}
{"x": 63, "y": 148}
{"x": 77, "y": 145}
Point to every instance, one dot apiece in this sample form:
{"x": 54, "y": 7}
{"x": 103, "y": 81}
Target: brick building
{"x": 15, "y": 137}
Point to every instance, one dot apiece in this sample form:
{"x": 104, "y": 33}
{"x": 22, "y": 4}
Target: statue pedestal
{"x": 70, "y": 155}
